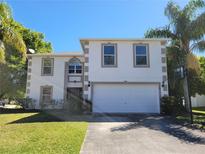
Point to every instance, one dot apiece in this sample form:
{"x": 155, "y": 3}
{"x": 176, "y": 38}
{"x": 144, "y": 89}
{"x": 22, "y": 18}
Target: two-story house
{"x": 116, "y": 75}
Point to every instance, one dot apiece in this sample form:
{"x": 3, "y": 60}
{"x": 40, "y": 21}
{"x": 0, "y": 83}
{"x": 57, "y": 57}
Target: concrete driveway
{"x": 140, "y": 134}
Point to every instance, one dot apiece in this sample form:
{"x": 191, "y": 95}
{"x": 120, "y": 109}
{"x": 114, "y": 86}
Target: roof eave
{"x": 56, "y": 55}
{"x": 124, "y": 39}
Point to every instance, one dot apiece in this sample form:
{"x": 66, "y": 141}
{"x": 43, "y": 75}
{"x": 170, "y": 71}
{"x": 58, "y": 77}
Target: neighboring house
{"x": 116, "y": 75}
{"x": 198, "y": 101}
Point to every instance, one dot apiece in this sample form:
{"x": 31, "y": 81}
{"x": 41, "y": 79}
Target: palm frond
{"x": 160, "y": 33}
{"x": 199, "y": 46}
{"x": 172, "y": 11}
{"x": 181, "y": 26}
{"x": 197, "y": 27}
{"x": 191, "y": 8}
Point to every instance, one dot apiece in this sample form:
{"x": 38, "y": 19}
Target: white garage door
{"x": 126, "y": 98}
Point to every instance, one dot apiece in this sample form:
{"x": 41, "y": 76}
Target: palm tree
{"x": 9, "y": 35}
{"x": 186, "y": 29}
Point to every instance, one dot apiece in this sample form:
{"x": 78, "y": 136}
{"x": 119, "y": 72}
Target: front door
{"x": 74, "y": 99}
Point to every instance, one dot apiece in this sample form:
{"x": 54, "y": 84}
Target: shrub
{"x": 26, "y": 103}
{"x": 171, "y": 105}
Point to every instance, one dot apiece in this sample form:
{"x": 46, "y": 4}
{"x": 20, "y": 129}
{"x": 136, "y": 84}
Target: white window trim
{"x": 115, "y": 54}
{"x": 42, "y": 67}
{"x": 147, "y": 55}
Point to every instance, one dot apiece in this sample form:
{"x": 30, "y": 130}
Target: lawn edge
{"x": 82, "y": 145}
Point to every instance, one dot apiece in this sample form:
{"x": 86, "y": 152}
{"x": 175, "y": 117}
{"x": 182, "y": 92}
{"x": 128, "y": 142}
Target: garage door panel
{"x": 121, "y": 98}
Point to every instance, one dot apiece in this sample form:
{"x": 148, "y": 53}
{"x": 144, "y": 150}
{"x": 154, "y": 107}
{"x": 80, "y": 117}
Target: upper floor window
{"x": 75, "y": 66}
{"x": 109, "y": 55}
{"x": 47, "y": 66}
{"x": 141, "y": 55}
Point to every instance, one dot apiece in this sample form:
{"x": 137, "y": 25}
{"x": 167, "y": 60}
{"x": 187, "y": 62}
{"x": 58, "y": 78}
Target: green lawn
{"x": 198, "y": 117}
{"x": 198, "y": 110}
{"x": 39, "y": 133}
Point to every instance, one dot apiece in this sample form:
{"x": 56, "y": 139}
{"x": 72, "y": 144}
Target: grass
{"x": 199, "y": 110}
{"x": 39, "y": 133}
{"x": 198, "y": 117}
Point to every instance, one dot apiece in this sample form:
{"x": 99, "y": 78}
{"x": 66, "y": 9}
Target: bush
{"x": 26, "y": 103}
{"x": 171, "y": 105}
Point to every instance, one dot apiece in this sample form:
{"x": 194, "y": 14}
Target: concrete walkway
{"x": 141, "y": 134}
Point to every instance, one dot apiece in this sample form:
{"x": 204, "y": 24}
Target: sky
{"x": 64, "y": 22}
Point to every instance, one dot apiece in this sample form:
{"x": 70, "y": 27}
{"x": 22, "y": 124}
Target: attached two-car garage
{"x": 126, "y": 98}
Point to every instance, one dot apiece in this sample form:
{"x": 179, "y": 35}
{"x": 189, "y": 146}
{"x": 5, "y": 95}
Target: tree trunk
{"x": 186, "y": 94}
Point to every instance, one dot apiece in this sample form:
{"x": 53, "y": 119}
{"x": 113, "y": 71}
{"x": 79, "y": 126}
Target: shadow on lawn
{"x": 38, "y": 117}
{"x": 15, "y": 111}
{"x": 165, "y": 125}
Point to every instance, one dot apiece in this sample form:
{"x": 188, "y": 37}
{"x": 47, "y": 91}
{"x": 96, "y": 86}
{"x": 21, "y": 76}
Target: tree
{"x": 8, "y": 35}
{"x": 186, "y": 29}
{"x": 33, "y": 40}
{"x": 15, "y": 40}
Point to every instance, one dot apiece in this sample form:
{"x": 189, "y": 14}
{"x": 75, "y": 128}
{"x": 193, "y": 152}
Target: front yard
{"x": 39, "y": 133}
{"x": 198, "y": 117}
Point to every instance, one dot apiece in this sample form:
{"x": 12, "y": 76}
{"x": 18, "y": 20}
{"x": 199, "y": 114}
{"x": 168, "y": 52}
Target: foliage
{"x": 15, "y": 39}
{"x": 195, "y": 78}
{"x": 33, "y": 40}
{"x": 8, "y": 35}
{"x": 26, "y": 103}
{"x": 39, "y": 132}
{"x": 171, "y": 105}
{"x": 12, "y": 81}
{"x": 53, "y": 104}
{"x": 186, "y": 30}
{"x": 202, "y": 67}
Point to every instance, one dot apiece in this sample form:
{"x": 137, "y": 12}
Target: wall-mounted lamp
{"x": 163, "y": 84}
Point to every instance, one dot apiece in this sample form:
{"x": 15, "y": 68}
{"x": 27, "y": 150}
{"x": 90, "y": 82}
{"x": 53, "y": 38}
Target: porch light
{"x": 162, "y": 84}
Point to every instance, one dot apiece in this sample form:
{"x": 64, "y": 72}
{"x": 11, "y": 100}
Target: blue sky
{"x": 65, "y": 21}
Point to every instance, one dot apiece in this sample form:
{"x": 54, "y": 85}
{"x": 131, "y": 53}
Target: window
{"x": 75, "y": 69}
{"x": 109, "y": 55}
{"x": 75, "y": 66}
{"x": 46, "y": 94}
{"x": 47, "y": 66}
{"x": 141, "y": 55}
